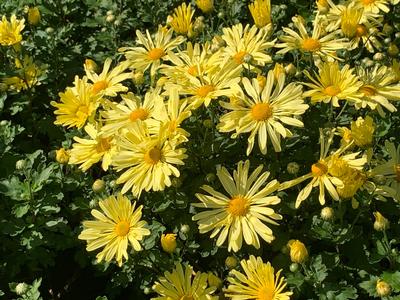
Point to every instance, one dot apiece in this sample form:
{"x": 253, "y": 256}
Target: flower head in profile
{"x": 151, "y": 52}
{"x": 239, "y": 215}
{"x": 77, "y": 104}
{"x": 181, "y": 285}
{"x": 362, "y": 131}
{"x": 261, "y": 12}
{"x": 391, "y": 171}
{"x": 117, "y": 224}
{"x": 181, "y": 20}
{"x": 168, "y": 242}
{"x": 327, "y": 171}
{"x": 147, "y": 161}
{"x": 298, "y": 251}
{"x": 10, "y": 32}
{"x": 87, "y": 152}
{"x": 317, "y": 43}
{"x": 28, "y": 74}
{"x": 108, "y": 82}
{"x": 258, "y": 281}
{"x": 333, "y": 84}
{"x": 264, "y": 112}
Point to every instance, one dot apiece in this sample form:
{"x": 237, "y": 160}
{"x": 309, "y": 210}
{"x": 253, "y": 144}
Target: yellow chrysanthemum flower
{"x": 264, "y": 112}
{"x": 118, "y": 223}
{"x": 374, "y": 6}
{"x": 90, "y": 151}
{"x": 168, "y": 242}
{"x": 247, "y": 46}
{"x": 204, "y": 88}
{"x": 34, "y": 16}
{"x": 298, "y": 251}
{"x": 181, "y": 20}
{"x": 396, "y": 70}
{"x": 77, "y": 104}
{"x": 239, "y": 216}
{"x": 179, "y": 285}
{"x": 391, "y": 171}
{"x": 147, "y": 161}
{"x": 317, "y": 44}
{"x": 378, "y": 87}
{"x": 362, "y": 131}
{"x": 130, "y": 110}
{"x": 10, "y": 32}
{"x": 153, "y": 51}
{"x": 352, "y": 180}
{"x": 326, "y": 172}
{"x": 108, "y": 82}
{"x": 28, "y": 74}
{"x": 261, "y": 12}
{"x": 259, "y": 281}
{"x": 205, "y": 6}
{"x": 333, "y": 84}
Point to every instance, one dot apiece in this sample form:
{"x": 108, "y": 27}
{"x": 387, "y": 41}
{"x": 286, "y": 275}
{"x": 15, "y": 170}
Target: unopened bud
{"x": 327, "y": 213}
{"x": 210, "y": 177}
{"x": 138, "y": 78}
{"x": 109, "y": 12}
{"x": 207, "y": 123}
{"x": 214, "y": 280}
{"x": 168, "y": 242}
{"x": 20, "y": 164}
{"x": 387, "y": 29}
{"x": 110, "y": 18}
{"x": 381, "y": 223}
{"x": 34, "y": 16}
{"x": 290, "y": 69}
{"x": 293, "y": 168}
{"x": 98, "y": 186}
{"x": 185, "y": 228}
{"x": 147, "y": 290}
{"x": 21, "y": 288}
{"x": 176, "y": 182}
{"x": 231, "y": 262}
{"x": 379, "y": 179}
{"x": 383, "y": 289}
{"x": 91, "y": 65}
{"x": 298, "y": 251}
{"x": 378, "y": 56}
{"x": 393, "y": 50}
{"x": 49, "y": 30}
{"x": 62, "y": 156}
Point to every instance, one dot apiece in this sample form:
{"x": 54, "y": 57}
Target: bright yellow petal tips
{"x": 181, "y": 285}
{"x": 239, "y": 215}
{"x": 10, "y": 32}
{"x": 117, "y": 224}
{"x": 259, "y": 281}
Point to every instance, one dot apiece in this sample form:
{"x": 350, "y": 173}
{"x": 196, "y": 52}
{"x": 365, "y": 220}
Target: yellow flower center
{"x": 319, "y": 169}
{"x": 204, "y": 90}
{"x": 186, "y": 297}
{"x": 122, "y": 228}
{"x": 138, "y": 113}
{"x": 265, "y": 293}
{"x": 238, "y": 206}
{"x": 155, "y": 53}
{"x": 238, "y": 57}
{"x": 103, "y": 145}
{"x": 368, "y": 90}
{"x": 152, "y": 156}
{"x": 332, "y": 90}
{"x": 99, "y": 86}
{"x": 361, "y": 30}
{"x": 261, "y": 111}
{"x": 310, "y": 45}
{"x": 367, "y": 2}
{"x": 397, "y": 170}
{"x": 192, "y": 70}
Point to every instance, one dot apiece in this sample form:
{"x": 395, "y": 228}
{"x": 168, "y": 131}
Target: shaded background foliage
{"x": 43, "y": 203}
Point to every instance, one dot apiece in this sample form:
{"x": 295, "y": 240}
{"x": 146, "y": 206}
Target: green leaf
{"x": 393, "y": 279}
{"x": 319, "y": 269}
{"x": 21, "y": 210}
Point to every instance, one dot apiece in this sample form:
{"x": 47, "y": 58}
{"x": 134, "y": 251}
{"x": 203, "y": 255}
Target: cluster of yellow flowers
{"x": 141, "y": 136}
{"x": 11, "y": 35}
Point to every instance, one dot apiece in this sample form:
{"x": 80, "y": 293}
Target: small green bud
{"x": 98, "y": 186}
{"x": 185, "y": 228}
{"x": 231, "y": 262}
{"x": 208, "y": 123}
{"x": 20, "y": 164}
{"x": 293, "y": 168}
{"x": 294, "y": 267}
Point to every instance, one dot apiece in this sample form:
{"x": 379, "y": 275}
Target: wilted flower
{"x": 381, "y": 223}
{"x": 168, "y": 242}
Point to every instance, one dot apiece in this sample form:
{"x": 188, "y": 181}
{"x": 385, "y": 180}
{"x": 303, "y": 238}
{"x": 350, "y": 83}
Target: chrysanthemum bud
{"x": 207, "y": 123}
{"x": 231, "y": 262}
{"x": 378, "y": 56}
{"x": 381, "y": 223}
{"x": 278, "y": 70}
{"x": 262, "y": 80}
{"x": 393, "y": 50}
{"x": 93, "y": 203}
{"x": 185, "y": 228}
{"x": 387, "y": 29}
{"x": 62, "y": 156}
{"x": 138, "y": 78}
{"x": 98, "y": 186}
{"x": 34, "y": 16}
{"x": 91, "y": 65}
{"x": 168, "y": 242}
{"x": 221, "y": 14}
{"x": 290, "y": 69}
{"x": 21, "y": 288}
{"x": 298, "y": 251}
{"x": 3, "y": 123}
{"x": 146, "y": 290}
{"x": 294, "y": 267}
{"x": 214, "y": 280}
{"x": 110, "y": 18}
{"x": 49, "y": 30}
{"x": 205, "y": 6}
{"x": 176, "y": 182}
{"x": 20, "y": 164}
{"x": 198, "y": 25}
{"x": 293, "y": 168}
{"x": 327, "y": 213}
{"x": 383, "y": 289}
{"x": 117, "y": 22}
{"x": 109, "y": 12}
{"x": 323, "y": 6}
{"x": 397, "y": 35}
